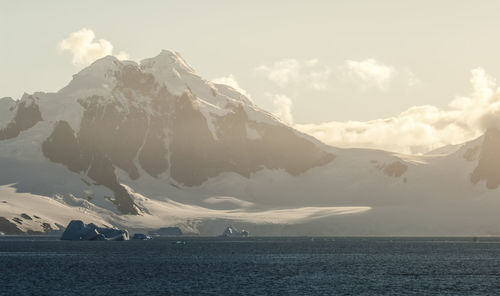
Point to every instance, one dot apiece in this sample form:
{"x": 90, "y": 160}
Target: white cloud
{"x": 370, "y": 72}
{"x": 412, "y": 79}
{"x": 85, "y": 49}
{"x": 282, "y": 72}
{"x": 282, "y": 107}
{"x": 421, "y": 128}
{"x": 232, "y": 82}
{"x": 309, "y": 73}
{"x": 122, "y": 56}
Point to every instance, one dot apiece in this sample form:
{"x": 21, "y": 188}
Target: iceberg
{"x": 230, "y": 231}
{"x": 141, "y": 236}
{"x": 77, "y": 231}
{"x": 167, "y": 231}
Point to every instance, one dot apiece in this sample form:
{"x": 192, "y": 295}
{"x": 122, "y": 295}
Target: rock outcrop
{"x": 27, "y": 114}
{"x": 488, "y": 167}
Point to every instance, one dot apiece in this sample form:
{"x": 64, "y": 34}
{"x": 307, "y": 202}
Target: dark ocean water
{"x": 253, "y": 266}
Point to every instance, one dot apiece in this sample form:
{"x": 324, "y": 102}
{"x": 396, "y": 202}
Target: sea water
{"x": 251, "y": 266}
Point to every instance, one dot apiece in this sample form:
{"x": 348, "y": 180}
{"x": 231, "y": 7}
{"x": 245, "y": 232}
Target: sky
{"x": 405, "y": 76}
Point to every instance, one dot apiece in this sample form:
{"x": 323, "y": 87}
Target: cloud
{"x": 287, "y": 71}
{"x": 412, "y": 79}
{"x": 122, "y": 56}
{"x": 282, "y": 107}
{"x": 232, "y": 82}
{"x": 370, "y": 72}
{"x": 421, "y": 128}
{"x": 85, "y": 49}
{"x": 282, "y": 72}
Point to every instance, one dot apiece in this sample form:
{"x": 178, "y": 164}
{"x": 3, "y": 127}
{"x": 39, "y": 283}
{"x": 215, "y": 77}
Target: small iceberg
{"x": 231, "y": 231}
{"x": 166, "y": 231}
{"x": 78, "y": 231}
{"x": 141, "y": 236}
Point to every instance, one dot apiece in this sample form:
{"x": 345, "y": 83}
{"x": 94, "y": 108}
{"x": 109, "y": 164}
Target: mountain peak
{"x": 103, "y": 64}
{"x": 98, "y": 74}
{"x": 167, "y": 60}
{"x": 169, "y": 52}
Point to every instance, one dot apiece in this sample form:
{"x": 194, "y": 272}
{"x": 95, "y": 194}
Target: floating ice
{"x": 141, "y": 236}
{"x": 167, "y": 231}
{"x": 77, "y": 230}
{"x": 230, "y": 231}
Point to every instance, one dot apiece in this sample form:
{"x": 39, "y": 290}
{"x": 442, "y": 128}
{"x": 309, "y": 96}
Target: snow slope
{"x": 42, "y": 214}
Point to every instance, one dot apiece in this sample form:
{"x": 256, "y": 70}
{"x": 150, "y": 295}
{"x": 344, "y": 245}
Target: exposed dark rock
{"x": 17, "y": 220}
{"x": 102, "y": 171}
{"x": 193, "y": 145}
{"x": 395, "y": 169}
{"x": 63, "y": 147}
{"x": 46, "y": 227}
{"x": 8, "y": 227}
{"x": 132, "y": 79}
{"x": 472, "y": 153}
{"x": 27, "y": 115}
{"x": 106, "y": 130}
{"x": 26, "y": 216}
{"x": 153, "y": 155}
{"x": 488, "y": 167}
{"x": 281, "y": 147}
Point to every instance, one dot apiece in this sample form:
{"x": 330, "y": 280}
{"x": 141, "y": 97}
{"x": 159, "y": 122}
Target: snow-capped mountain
{"x": 152, "y": 144}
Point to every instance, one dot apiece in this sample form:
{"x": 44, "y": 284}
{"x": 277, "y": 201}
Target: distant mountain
{"x": 151, "y": 144}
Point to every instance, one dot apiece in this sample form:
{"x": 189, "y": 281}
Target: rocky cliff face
{"x": 488, "y": 166}
{"x": 26, "y": 115}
